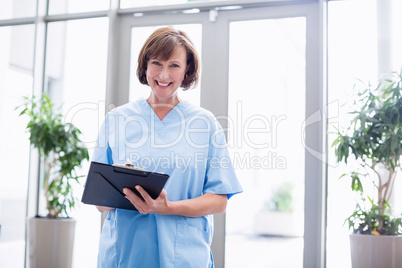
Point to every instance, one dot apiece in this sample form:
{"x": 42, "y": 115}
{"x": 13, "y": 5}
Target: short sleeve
{"x": 102, "y": 152}
{"x": 220, "y": 174}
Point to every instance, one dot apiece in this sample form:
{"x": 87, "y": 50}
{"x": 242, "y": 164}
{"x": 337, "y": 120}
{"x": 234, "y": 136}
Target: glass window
{"x": 144, "y": 3}
{"x": 76, "y": 6}
{"x": 266, "y": 114}
{"x": 11, "y": 9}
{"x": 138, "y": 37}
{"x": 76, "y": 61}
{"x": 352, "y": 57}
{"x": 16, "y": 77}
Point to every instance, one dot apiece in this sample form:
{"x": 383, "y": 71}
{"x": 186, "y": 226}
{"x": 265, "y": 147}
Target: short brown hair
{"x": 162, "y": 44}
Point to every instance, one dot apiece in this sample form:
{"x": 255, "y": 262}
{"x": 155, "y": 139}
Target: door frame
{"x": 214, "y": 96}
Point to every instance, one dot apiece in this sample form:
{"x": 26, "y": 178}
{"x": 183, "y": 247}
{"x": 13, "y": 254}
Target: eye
{"x": 174, "y": 65}
{"x": 156, "y": 63}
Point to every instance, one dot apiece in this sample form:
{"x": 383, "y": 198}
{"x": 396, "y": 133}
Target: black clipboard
{"x": 105, "y": 183}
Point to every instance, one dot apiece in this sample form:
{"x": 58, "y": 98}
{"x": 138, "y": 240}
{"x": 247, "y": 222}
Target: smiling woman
{"x": 176, "y": 228}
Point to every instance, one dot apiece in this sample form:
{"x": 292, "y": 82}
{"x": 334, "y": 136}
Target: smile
{"x": 163, "y": 84}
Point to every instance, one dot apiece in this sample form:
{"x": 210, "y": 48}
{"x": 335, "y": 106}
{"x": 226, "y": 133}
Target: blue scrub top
{"x": 190, "y": 146}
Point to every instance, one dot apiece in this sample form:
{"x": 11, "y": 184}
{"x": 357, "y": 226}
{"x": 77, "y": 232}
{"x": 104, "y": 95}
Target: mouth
{"x": 163, "y": 84}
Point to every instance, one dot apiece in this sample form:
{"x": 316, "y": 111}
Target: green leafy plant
{"x": 367, "y": 221}
{"x": 282, "y": 199}
{"x": 374, "y": 138}
{"x": 61, "y": 152}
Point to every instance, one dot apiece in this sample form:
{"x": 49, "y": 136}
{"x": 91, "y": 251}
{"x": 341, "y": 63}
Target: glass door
{"x": 267, "y": 96}
{"x": 75, "y": 71}
{"x": 16, "y": 77}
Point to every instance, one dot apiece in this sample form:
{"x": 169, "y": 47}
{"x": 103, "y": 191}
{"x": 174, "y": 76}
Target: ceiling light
{"x": 229, "y": 8}
{"x": 191, "y": 11}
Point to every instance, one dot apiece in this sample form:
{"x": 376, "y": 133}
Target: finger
{"x": 163, "y": 194}
{"x": 134, "y": 199}
{"x": 130, "y": 195}
{"x": 148, "y": 199}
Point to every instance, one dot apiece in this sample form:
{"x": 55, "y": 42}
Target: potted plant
{"x": 61, "y": 152}
{"x": 374, "y": 140}
{"x": 278, "y": 217}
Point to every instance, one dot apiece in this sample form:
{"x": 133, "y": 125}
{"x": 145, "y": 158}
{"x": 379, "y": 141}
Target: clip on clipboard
{"x": 105, "y": 183}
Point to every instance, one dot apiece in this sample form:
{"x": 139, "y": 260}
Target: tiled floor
{"x": 245, "y": 250}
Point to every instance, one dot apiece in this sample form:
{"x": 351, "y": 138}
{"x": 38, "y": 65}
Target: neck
{"x": 169, "y": 101}
{"x": 162, "y": 107}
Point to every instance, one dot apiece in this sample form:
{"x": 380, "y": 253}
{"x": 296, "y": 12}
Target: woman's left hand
{"x": 205, "y": 204}
{"x": 148, "y": 205}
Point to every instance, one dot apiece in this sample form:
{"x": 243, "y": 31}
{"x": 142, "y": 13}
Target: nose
{"x": 164, "y": 73}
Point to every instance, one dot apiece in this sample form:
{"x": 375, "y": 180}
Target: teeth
{"x": 163, "y": 84}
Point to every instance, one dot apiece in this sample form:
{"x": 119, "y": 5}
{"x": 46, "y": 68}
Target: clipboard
{"x": 105, "y": 183}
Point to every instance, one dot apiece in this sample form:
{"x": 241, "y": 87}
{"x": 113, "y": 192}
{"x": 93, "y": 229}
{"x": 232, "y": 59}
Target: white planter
{"x": 374, "y": 251}
{"x": 51, "y": 242}
{"x": 278, "y": 223}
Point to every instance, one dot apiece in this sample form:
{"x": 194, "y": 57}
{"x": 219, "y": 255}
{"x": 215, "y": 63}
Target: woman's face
{"x": 165, "y": 77}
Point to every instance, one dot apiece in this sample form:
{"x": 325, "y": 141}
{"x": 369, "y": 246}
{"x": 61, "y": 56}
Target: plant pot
{"x": 374, "y": 251}
{"x": 51, "y": 242}
{"x": 277, "y": 223}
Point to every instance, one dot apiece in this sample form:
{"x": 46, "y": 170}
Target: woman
{"x": 165, "y": 134}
